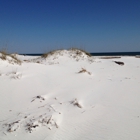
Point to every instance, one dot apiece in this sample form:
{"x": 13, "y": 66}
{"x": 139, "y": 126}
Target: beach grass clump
{"x": 3, "y": 55}
{"x": 74, "y": 53}
{"x": 10, "y": 57}
{"x": 16, "y": 60}
{"x": 79, "y": 52}
{"x": 45, "y": 55}
{"x": 84, "y": 71}
{"x": 51, "y": 53}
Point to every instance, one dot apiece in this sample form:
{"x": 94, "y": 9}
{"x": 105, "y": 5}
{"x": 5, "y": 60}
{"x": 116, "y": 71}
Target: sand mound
{"x": 58, "y": 56}
{"x": 9, "y": 58}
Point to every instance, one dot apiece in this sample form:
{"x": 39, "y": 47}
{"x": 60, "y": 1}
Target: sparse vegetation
{"x": 84, "y": 71}
{"x": 80, "y": 51}
{"x": 16, "y": 60}
{"x": 45, "y": 55}
{"x": 14, "y": 75}
{"x": 10, "y": 57}
{"x": 3, "y": 55}
{"x": 77, "y": 51}
{"x": 76, "y": 103}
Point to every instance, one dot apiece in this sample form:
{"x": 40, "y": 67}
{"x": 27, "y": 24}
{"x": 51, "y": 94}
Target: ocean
{"x": 98, "y": 54}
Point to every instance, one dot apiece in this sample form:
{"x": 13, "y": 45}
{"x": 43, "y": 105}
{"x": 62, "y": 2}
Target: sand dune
{"x": 69, "y": 95}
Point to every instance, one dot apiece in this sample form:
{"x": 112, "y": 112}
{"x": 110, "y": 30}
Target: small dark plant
{"x": 84, "y": 70}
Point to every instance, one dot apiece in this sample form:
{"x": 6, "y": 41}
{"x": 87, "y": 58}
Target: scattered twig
{"x": 49, "y": 120}
{"x": 42, "y": 106}
{"x": 56, "y": 125}
{"x": 38, "y": 97}
{"x": 52, "y": 108}
{"x": 75, "y": 103}
{"x": 32, "y": 100}
{"x": 4, "y": 133}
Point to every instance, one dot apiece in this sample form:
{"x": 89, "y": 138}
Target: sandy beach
{"x": 69, "y": 95}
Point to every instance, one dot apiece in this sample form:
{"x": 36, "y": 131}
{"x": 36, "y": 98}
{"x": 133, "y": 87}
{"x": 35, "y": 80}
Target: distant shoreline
{"x": 98, "y": 54}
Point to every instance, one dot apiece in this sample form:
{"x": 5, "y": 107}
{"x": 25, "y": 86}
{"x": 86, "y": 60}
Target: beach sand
{"x": 69, "y": 95}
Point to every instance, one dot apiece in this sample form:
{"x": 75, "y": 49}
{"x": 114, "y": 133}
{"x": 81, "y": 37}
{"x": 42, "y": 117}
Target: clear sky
{"x": 37, "y": 26}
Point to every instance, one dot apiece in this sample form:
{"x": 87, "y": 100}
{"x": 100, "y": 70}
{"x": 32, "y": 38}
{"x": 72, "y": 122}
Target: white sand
{"x": 50, "y": 99}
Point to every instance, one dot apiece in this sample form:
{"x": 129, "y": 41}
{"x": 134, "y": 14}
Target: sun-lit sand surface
{"x": 68, "y": 95}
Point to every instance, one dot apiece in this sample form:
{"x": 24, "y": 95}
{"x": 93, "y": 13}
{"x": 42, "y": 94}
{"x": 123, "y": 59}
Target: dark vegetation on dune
{"x": 4, "y": 56}
{"x": 78, "y": 52}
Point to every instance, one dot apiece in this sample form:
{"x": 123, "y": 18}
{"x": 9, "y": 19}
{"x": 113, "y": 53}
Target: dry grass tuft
{"x": 84, "y": 70}
{"x": 45, "y": 55}
{"x": 16, "y": 60}
{"x": 4, "y": 56}
{"x": 76, "y": 103}
{"x": 80, "y": 51}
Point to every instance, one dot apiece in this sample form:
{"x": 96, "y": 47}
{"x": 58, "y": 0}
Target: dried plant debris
{"x": 14, "y": 126}
{"x": 11, "y": 58}
{"x": 31, "y": 123}
{"x": 76, "y": 103}
{"x": 14, "y": 75}
{"x": 41, "y": 121}
{"x": 119, "y": 63}
{"x": 38, "y": 97}
{"x": 84, "y": 71}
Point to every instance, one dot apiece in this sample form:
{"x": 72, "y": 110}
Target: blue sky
{"x": 37, "y": 26}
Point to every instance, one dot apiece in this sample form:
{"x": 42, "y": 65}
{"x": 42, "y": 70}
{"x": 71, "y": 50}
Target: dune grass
{"x": 80, "y": 51}
{"x": 45, "y": 55}
{"x": 4, "y": 56}
{"x": 77, "y": 51}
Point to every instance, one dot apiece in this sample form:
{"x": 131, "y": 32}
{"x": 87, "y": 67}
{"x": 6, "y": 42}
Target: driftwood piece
{"x": 137, "y": 56}
{"x": 49, "y": 120}
{"x": 119, "y": 63}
